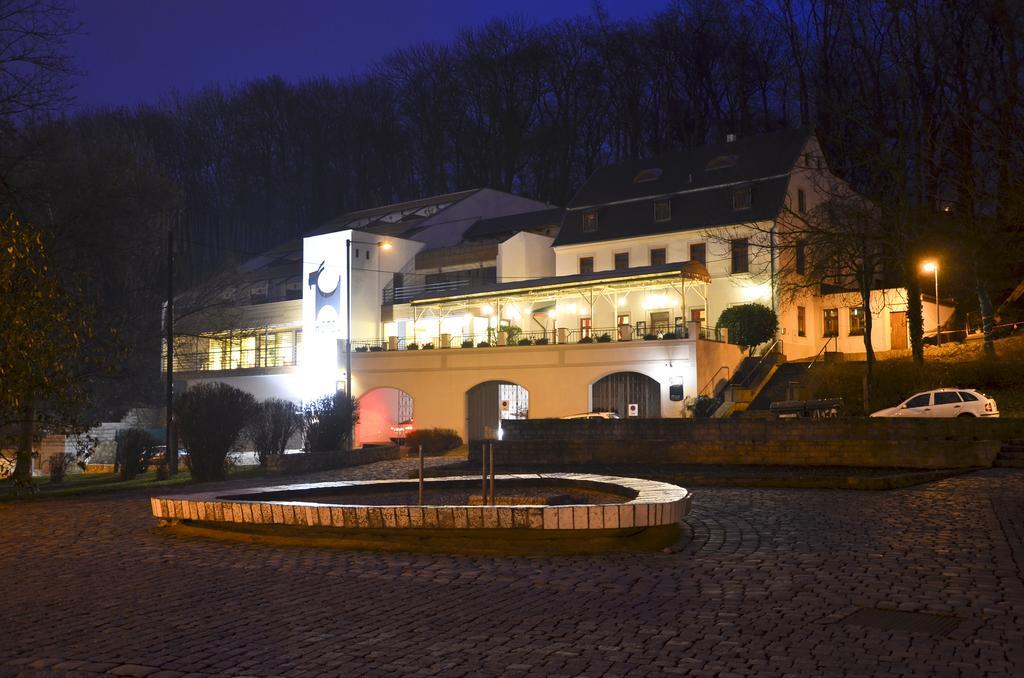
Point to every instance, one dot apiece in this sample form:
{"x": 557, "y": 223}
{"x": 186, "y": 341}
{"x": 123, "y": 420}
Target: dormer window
{"x": 662, "y": 210}
{"x": 741, "y": 198}
{"x": 646, "y": 175}
{"x": 590, "y": 221}
{"x": 721, "y": 162}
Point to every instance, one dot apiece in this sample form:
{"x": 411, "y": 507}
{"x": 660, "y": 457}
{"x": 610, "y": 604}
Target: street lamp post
{"x": 933, "y": 268}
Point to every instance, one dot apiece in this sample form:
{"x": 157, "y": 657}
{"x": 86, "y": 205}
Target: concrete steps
{"x": 1011, "y": 455}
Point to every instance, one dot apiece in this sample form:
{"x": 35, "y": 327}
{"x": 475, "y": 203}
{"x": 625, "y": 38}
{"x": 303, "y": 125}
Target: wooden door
{"x": 616, "y": 391}
{"x": 897, "y": 330}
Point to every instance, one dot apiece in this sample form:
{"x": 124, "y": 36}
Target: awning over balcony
{"x": 554, "y": 286}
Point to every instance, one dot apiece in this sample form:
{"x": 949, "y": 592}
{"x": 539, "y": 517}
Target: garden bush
{"x": 329, "y": 423}
{"x": 273, "y": 424}
{"x": 704, "y": 406}
{"x": 434, "y": 440}
{"x": 211, "y": 419}
{"x": 135, "y": 451}
{"x": 749, "y": 324}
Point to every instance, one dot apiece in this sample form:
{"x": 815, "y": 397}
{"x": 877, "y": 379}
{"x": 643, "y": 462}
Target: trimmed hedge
{"x": 433, "y": 440}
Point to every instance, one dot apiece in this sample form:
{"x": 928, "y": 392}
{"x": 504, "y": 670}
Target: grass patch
{"x": 951, "y": 365}
{"x": 97, "y": 483}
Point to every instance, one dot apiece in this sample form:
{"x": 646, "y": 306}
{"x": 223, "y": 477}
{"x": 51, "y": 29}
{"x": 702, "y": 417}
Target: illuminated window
{"x": 856, "y": 321}
{"x": 590, "y": 222}
{"x": 831, "y": 324}
{"x": 662, "y": 210}
{"x": 801, "y": 321}
{"x": 740, "y": 256}
{"x": 741, "y": 198}
{"x": 699, "y": 252}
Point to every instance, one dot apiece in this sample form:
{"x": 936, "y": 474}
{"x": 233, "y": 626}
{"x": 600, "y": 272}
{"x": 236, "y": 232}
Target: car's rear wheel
{"x": 965, "y": 414}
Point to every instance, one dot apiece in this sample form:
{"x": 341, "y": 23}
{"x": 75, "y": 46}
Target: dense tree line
{"x": 917, "y": 104}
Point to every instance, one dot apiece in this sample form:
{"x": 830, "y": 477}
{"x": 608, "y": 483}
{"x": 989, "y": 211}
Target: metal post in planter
{"x": 493, "y": 499}
{"x": 421, "y": 475}
{"x": 483, "y": 474}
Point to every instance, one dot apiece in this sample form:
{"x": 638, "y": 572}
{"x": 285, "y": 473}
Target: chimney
{"x": 729, "y": 138}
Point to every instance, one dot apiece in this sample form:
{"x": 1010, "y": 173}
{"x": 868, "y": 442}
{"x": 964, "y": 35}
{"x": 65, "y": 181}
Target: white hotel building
{"x": 478, "y": 306}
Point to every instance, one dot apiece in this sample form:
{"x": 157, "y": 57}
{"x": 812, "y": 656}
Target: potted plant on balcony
{"x": 361, "y": 349}
{"x": 605, "y": 338}
{"x": 377, "y": 348}
{"x": 543, "y": 341}
{"x": 412, "y": 347}
{"x": 669, "y": 335}
{"x": 428, "y": 346}
{"x": 525, "y": 342}
{"x": 586, "y": 340}
{"x": 483, "y": 344}
{"x": 650, "y": 337}
{"x": 468, "y": 343}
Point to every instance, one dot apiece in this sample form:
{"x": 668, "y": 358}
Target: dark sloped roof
{"x": 690, "y": 211}
{"x": 701, "y": 196}
{"x": 510, "y": 223}
{"x": 692, "y": 270}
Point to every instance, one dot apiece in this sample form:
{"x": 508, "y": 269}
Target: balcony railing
{"x": 518, "y": 338}
{"x": 239, "y": 359}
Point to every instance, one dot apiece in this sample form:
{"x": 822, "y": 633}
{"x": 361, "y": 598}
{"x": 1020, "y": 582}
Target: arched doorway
{"x": 385, "y": 414}
{"x": 490, "y": 403}
{"x": 615, "y": 393}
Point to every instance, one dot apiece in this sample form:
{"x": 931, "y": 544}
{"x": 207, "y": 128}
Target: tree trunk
{"x": 915, "y": 319}
{"x": 869, "y": 349}
{"x": 985, "y": 302}
{"x": 23, "y": 467}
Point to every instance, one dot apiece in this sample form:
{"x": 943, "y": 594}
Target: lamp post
{"x": 933, "y": 268}
{"x": 382, "y": 245}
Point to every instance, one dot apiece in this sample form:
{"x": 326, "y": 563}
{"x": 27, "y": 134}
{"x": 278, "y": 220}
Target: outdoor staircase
{"x": 784, "y": 384}
{"x": 751, "y": 376}
{"x": 1011, "y": 455}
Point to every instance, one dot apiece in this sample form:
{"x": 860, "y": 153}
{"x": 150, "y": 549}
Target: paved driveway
{"x": 768, "y": 582}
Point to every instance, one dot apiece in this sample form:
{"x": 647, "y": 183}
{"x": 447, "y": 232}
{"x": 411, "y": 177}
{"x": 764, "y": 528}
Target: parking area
{"x": 923, "y": 581}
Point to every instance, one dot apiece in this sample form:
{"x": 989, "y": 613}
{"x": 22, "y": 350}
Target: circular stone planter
{"x": 632, "y": 514}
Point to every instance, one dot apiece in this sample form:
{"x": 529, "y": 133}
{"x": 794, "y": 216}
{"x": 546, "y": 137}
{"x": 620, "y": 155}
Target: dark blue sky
{"x": 134, "y": 51}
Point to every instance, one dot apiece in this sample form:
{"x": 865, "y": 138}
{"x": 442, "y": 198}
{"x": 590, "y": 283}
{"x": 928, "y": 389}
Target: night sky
{"x": 133, "y": 51}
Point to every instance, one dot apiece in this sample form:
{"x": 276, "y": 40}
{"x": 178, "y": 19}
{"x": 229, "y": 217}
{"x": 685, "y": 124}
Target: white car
{"x": 944, "y": 402}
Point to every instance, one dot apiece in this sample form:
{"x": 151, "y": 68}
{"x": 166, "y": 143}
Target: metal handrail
{"x": 712, "y": 379}
{"x": 769, "y": 352}
{"x": 824, "y": 349}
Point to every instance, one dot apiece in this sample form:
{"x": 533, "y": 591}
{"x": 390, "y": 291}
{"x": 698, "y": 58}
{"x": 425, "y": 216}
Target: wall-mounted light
{"x": 487, "y": 309}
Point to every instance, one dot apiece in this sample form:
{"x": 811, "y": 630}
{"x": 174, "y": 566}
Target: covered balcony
{"x": 668, "y": 301}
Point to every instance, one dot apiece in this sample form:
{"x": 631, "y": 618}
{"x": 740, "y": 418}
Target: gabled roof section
{"x": 496, "y": 227}
{"x": 699, "y": 182}
{"x": 398, "y": 219}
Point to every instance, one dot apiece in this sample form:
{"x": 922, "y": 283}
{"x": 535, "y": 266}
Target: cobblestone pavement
{"x": 765, "y": 583}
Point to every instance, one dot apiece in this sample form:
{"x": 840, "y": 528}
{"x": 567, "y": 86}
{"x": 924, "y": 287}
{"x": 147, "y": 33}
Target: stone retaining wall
{"x": 863, "y": 442}
{"x": 309, "y": 462}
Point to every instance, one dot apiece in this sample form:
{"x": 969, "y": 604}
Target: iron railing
{"x": 237, "y": 359}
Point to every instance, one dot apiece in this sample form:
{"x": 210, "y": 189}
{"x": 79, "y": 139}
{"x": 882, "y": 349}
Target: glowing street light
{"x": 933, "y": 268}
